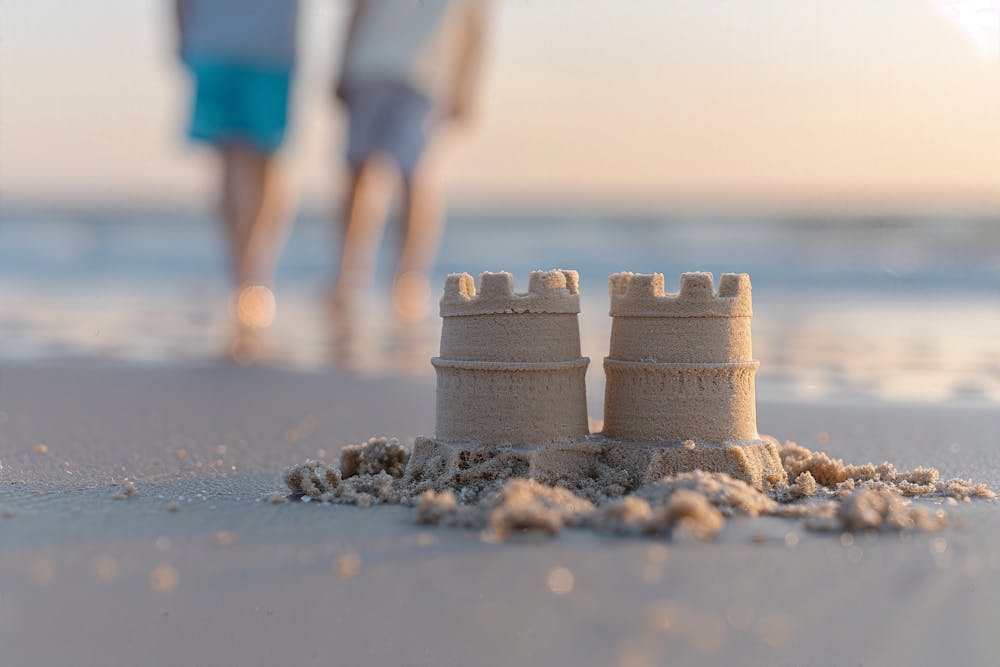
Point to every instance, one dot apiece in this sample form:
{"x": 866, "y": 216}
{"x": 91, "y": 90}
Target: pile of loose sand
{"x": 826, "y": 493}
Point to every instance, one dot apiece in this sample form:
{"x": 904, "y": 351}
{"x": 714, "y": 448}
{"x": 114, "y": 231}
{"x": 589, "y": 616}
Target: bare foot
{"x": 254, "y": 309}
{"x": 411, "y": 296}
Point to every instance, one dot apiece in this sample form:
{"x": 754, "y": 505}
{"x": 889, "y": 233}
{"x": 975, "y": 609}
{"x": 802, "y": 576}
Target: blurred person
{"x": 241, "y": 55}
{"x": 408, "y": 69}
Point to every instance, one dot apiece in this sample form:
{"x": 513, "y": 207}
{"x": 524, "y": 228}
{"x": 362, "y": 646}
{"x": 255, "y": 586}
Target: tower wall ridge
{"x": 510, "y": 366}
{"x": 644, "y": 295}
{"x": 555, "y": 291}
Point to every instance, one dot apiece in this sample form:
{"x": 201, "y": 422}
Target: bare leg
{"x": 370, "y": 191}
{"x": 254, "y": 211}
{"x": 423, "y": 224}
{"x": 361, "y": 228}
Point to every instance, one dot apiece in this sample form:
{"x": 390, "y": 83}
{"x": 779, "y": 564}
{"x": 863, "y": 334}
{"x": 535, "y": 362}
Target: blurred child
{"x": 241, "y": 54}
{"x": 408, "y": 68}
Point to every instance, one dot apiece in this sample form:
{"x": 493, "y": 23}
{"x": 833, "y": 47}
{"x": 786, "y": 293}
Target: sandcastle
{"x": 511, "y": 395}
{"x": 679, "y": 394}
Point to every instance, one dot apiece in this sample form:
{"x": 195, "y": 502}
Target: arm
{"x": 354, "y": 18}
{"x": 181, "y": 10}
{"x": 470, "y": 59}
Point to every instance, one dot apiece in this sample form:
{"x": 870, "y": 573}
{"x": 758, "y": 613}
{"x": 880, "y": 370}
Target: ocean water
{"x": 844, "y": 309}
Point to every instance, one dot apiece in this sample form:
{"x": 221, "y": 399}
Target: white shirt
{"x": 418, "y": 43}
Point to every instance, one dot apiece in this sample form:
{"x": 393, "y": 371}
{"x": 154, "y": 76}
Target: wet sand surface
{"x": 199, "y": 569}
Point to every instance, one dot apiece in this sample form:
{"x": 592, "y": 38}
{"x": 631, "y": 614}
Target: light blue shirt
{"x": 251, "y": 32}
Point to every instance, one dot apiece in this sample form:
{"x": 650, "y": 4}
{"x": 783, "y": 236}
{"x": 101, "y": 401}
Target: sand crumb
{"x": 127, "y": 490}
{"x": 491, "y": 491}
{"x": 433, "y": 506}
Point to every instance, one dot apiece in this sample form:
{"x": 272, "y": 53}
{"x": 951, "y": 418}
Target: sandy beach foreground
{"x": 197, "y": 569}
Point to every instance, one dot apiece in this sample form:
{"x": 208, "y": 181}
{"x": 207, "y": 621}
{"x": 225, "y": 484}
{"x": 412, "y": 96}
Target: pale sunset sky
{"x": 815, "y": 104}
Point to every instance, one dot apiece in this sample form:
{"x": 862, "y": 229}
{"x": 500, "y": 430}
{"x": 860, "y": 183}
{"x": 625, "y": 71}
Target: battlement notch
{"x": 554, "y": 291}
{"x": 644, "y": 295}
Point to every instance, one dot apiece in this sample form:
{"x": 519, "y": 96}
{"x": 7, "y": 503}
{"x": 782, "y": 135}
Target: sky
{"x": 742, "y": 104}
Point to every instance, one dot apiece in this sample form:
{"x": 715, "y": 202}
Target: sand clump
{"x": 842, "y": 479}
{"x": 519, "y": 504}
{"x": 804, "y": 485}
{"x": 433, "y": 507}
{"x": 496, "y": 496}
{"x": 376, "y": 456}
{"x": 315, "y": 479}
{"x": 686, "y": 515}
{"x": 366, "y": 475}
{"x": 524, "y": 504}
{"x": 730, "y": 496}
{"x": 628, "y": 515}
{"x": 873, "y": 508}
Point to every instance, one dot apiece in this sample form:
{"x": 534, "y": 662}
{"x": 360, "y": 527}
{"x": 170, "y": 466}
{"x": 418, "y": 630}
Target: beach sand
{"x": 198, "y": 568}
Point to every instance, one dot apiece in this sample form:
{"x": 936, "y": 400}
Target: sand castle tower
{"x": 680, "y": 366}
{"x": 680, "y": 377}
{"x": 510, "y": 370}
{"x": 510, "y": 378}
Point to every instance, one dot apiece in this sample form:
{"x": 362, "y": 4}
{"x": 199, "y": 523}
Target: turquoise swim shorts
{"x": 239, "y": 103}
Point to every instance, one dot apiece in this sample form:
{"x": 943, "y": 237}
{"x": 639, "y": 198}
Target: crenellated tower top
{"x": 548, "y": 292}
{"x": 643, "y": 295}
